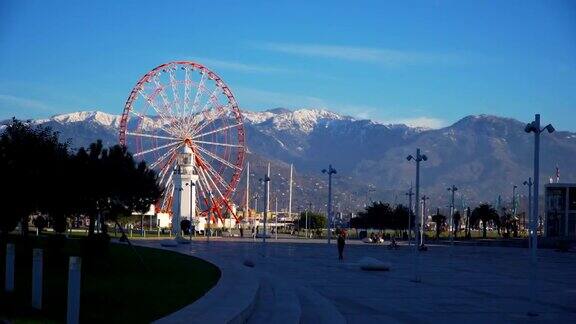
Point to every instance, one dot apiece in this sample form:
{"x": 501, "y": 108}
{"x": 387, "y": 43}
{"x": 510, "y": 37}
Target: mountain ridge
{"x": 484, "y": 155}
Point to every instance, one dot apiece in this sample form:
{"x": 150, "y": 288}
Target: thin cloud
{"x": 14, "y": 106}
{"x": 270, "y": 99}
{"x": 424, "y": 122}
{"x": 385, "y": 57}
{"x": 258, "y": 99}
{"x": 372, "y": 113}
{"x": 240, "y": 67}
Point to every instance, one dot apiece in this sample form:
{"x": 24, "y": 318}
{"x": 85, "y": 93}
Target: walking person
{"x": 341, "y": 243}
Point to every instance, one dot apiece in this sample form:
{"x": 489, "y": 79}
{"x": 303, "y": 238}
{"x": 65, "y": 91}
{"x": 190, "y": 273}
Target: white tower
{"x": 184, "y": 179}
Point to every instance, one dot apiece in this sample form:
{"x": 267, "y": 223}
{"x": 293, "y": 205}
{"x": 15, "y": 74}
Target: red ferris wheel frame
{"x": 184, "y": 127}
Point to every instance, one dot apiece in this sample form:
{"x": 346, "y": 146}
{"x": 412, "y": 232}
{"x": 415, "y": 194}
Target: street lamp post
{"x": 330, "y": 172}
{"x": 309, "y": 209}
{"x": 424, "y": 219}
{"x": 418, "y": 158}
{"x": 534, "y": 127}
{"x": 514, "y": 200}
{"x": 529, "y": 185}
{"x": 266, "y": 181}
{"x": 276, "y": 215}
{"x": 453, "y": 190}
{"x": 410, "y": 193}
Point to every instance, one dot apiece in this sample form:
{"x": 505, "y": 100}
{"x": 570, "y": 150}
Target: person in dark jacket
{"x": 341, "y": 243}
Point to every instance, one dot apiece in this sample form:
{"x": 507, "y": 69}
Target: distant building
{"x": 560, "y": 220}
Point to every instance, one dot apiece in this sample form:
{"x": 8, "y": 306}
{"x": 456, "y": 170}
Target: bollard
{"x": 37, "y": 278}
{"x": 10, "y": 256}
{"x": 73, "y": 309}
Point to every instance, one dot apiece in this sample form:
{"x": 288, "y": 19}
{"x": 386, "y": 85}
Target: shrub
{"x": 185, "y": 226}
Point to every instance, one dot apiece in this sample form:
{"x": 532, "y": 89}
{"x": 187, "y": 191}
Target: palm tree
{"x": 439, "y": 219}
{"x": 484, "y": 213}
{"x": 456, "y": 218}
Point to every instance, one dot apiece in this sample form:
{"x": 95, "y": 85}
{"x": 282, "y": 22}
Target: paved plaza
{"x": 459, "y": 284}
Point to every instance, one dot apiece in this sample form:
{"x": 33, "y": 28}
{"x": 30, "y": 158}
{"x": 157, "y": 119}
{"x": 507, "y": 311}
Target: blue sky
{"x": 420, "y": 62}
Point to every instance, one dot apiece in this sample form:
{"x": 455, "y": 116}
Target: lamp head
{"x": 323, "y": 170}
{"x": 550, "y": 128}
{"x": 525, "y": 183}
{"x": 409, "y": 157}
{"x": 424, "y": 157}
{"x": 529, "y": 127}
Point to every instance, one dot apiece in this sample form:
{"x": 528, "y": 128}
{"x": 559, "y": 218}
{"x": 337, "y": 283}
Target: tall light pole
{"x": 529, "y": 185}
{"x": 330, "y": 172}
{"x": 309, "y": 209}
{"x": 410, "y": 193}
{"x": 276, "y": 214}
{"x": 266, "y": 181}
{"x": 290, "y": 195}
{"x": 424, "y": 219}
{"x": 514, "y": 200}
{"x": 534, "y": 127}
{"x": 247, "y": 206}
{"x": 418, "y": 158}
{"x": 453, "y": 191}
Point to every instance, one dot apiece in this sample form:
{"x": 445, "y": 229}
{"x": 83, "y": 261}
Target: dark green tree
{"x": 30, "y": 162}
{"x": 379, "y": 215}
{"x": 484, "y": 213}
{"x": 400, "y": 217}
{"x": 40, "y": 223}
{"x": 440, "y": 220}
{"x": 315, "y": 220}
{"x": 456, "y": 220}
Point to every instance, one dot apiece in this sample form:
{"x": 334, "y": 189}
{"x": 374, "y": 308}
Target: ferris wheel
{"x": 180, "y": 104}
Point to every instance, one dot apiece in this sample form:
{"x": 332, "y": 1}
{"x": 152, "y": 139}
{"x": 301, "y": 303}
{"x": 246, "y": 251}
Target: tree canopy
{"x": 484, "y": 213}
{"x": 315, "y": 220}
{"x": 440, "y": 221}
{"x": 382, "y": 216}
{"x": 41, "y": 175}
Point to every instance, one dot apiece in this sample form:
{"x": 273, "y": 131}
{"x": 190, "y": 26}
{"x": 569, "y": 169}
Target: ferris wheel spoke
{"x": 217, "y": 176}
{"x": 214, "y": 184}
{"x": 211, "y": 99}
{"x": 216, "y": 130}
{"x": 160, "y": 89}
{"x": 142, "y": 118}
{"x": 219, "y": 144}
{"x": 201, "y": 187}
{"x": 165, "y": 181}
{"x": 187, "y": 83}
{"x": 166, "y": 119}
{"x": 170, "y": 153}
{"x": 169, "y": 188}
{"x": 208, "y": 180}
{"x": 199, "y": 91}
{"x": 206, "y": 185}
{"x": 153, "y": 136}
{"x": 175, "y": 94}
{"x": 218, "y": 158}
{"x": 220, "y": 110}
{"x": 155, "y": 149}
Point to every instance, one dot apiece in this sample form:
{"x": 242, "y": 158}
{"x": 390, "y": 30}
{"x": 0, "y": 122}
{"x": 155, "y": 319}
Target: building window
{"x": 556, "y": 199}
{"x": 572, "y": 199}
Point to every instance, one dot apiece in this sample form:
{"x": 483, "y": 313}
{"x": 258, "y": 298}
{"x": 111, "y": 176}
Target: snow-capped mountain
{"x": 98, "y": 117}
{"x": 483, "y": 155}
{"x": 303, "y": 120}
